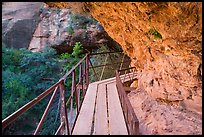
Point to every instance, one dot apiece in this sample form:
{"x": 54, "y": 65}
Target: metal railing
{"x": 77, "y": 88}
{"x": 131, "y": 120}
{"x": 112, "y": 62}
{"x": 65, "y": 126}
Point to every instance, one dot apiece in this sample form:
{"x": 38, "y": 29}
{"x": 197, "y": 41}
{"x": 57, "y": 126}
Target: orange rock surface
{"x": 164, "y": 42}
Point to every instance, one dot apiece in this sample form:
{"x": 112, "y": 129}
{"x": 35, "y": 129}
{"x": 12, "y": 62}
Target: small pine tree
{"x": 77, "y": 50}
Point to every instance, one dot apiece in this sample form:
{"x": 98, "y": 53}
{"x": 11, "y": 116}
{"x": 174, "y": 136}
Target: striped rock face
{"x": 164, "y": 42}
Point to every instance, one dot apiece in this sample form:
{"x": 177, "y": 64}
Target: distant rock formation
{"x": 33, "y": 25}
{"x": 19, "y": 21}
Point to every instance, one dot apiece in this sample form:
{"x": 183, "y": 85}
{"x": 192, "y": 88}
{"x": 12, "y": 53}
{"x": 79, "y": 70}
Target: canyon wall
{"x": 164, "y": 42}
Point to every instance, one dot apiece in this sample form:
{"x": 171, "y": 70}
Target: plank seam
{"x": 92, "y": 127}
{"x": 107, "y": 110}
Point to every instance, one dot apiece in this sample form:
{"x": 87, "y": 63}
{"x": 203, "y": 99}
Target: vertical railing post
{"x": 72, "y": 95}
{"x": 124, "y": 76}
{"x": 78, "y": 93}
{"x": 129, "y": 75}
{"x": 111, "y": 60}
{"x": 87, "y": 71}
{"x": 93, "y": 70}
{"x": 104, "y": 67}
{"x": 84, "y": 78}
{"x": 63, "y": 110}
{"x": 121, "y": 65}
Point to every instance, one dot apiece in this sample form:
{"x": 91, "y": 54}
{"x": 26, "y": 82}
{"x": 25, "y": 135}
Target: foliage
{"x": 155, "y": 33}
{"x": 15, "y": 93}
{"x": 11, "y": 58}
{"x": 39, "y": 66}
{"x": 12, "y": 82}
{"x": 24, "y": 76}
{"x": 77, "y": 50}
{"x": 72, "y": 60}
{"x": 65, "y": 56}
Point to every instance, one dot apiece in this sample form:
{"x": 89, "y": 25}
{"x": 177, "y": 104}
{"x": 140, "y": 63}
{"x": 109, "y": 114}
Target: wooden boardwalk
{"x": 101, "y": 112}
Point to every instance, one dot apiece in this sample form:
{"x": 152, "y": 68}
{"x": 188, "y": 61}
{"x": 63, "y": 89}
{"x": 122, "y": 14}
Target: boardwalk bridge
{"x": 101, "y": 107}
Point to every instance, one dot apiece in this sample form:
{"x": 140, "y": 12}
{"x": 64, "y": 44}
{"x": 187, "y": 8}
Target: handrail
{"x": 11, "y": 118}
{"x": 73, "y": 68}
{"x": 105, "y": 52}
{"x": 126, "y": 69}
{"x": 82, "y": 84}
{"x": 109, "y": 64}
{"x": 46, "y": 111}
{"x": 131, "y": 120}
{"x": 59, "y": 128}
{"x": 8, "y": 120}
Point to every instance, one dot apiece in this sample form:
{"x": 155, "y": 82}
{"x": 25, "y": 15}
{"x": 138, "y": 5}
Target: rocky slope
{"x": 164, "y": 42}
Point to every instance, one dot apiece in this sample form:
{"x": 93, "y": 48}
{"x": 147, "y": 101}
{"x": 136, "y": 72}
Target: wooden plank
{"x": 117, "y": 124}
{"x": 84, "y": 121}
{"x": 100, "y": 123}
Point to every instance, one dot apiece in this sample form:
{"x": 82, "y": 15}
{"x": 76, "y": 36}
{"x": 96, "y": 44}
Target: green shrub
{"x": 155, "y": 33}
{"x": 39, "y": 66}
{"x": 24, "y": 77}
{"x": 15, "y": 91}
{"x": 10, "y": 58}
{"x": 65, "y": 56}
{"x": 77, "y": 50}
{"x": 72, "y": 60}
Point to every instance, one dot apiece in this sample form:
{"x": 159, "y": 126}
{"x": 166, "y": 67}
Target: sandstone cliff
{"x": 164, "y": 42}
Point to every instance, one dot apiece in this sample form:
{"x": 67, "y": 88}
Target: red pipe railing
{"x": 59, "y": 129}
{"x": 63, "y": 103}
{"x": 131, "y": 120}
{"x": 66, "y": 126}
{"x": 8, "y": 120}
{"x": 46, "y": 111}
